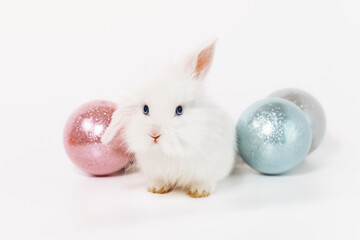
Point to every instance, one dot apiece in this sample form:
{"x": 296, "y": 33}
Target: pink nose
{"x": 155, "y": 136}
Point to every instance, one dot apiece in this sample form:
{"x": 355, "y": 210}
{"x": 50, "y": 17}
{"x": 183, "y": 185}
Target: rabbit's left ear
{"x": 200, "y": 62}
{"x": 113, "y": 128}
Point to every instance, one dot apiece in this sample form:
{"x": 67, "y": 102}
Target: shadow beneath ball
{"x": 119, "y": 173}
{"x": 305, "y": 167}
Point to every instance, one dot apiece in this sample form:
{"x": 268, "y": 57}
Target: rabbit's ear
{"x": 198, "y": 65}
{"x": 113, "y": 128}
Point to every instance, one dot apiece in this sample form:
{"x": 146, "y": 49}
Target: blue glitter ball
{"x": 273, "y": 136}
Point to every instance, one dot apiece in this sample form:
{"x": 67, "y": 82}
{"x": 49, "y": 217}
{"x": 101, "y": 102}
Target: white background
{"x": 56, "y": 55}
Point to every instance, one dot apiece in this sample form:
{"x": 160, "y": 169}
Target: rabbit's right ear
{"x": 113, "y": 128}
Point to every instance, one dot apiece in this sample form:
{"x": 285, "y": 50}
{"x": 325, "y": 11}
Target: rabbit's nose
{"x": 155, "y": 136}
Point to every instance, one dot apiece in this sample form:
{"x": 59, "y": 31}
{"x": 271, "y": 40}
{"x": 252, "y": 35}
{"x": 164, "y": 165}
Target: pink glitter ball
{"x": 82, "y": 140}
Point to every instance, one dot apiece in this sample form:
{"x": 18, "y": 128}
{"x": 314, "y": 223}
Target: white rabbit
{"x": 179, "y": 137}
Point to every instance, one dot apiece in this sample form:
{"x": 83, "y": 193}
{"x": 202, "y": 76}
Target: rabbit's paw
{"x": 199, "y": 191}
{"x": 159, "y": 187}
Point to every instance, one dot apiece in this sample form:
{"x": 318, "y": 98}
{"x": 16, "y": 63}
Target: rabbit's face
{"x": 168, "y": 113}
{"x": 164, "y": 113}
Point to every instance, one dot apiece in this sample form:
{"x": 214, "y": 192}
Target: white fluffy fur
{"x": 195, "y": 150}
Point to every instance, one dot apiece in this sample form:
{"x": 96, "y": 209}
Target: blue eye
{"x": 146, "y": 110}
{"x": 179, "y": 110}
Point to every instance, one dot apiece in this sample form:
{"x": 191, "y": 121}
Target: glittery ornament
{"x": 312, "y": 110}
{"x": 82, "y": 140}
{"x": 273, "y": 135}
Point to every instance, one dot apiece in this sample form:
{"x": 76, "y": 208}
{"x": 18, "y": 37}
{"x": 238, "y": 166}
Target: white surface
{"x": 56, "y": 55}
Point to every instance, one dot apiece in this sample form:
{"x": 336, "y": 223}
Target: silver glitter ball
{"x": 312, "y": 110}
